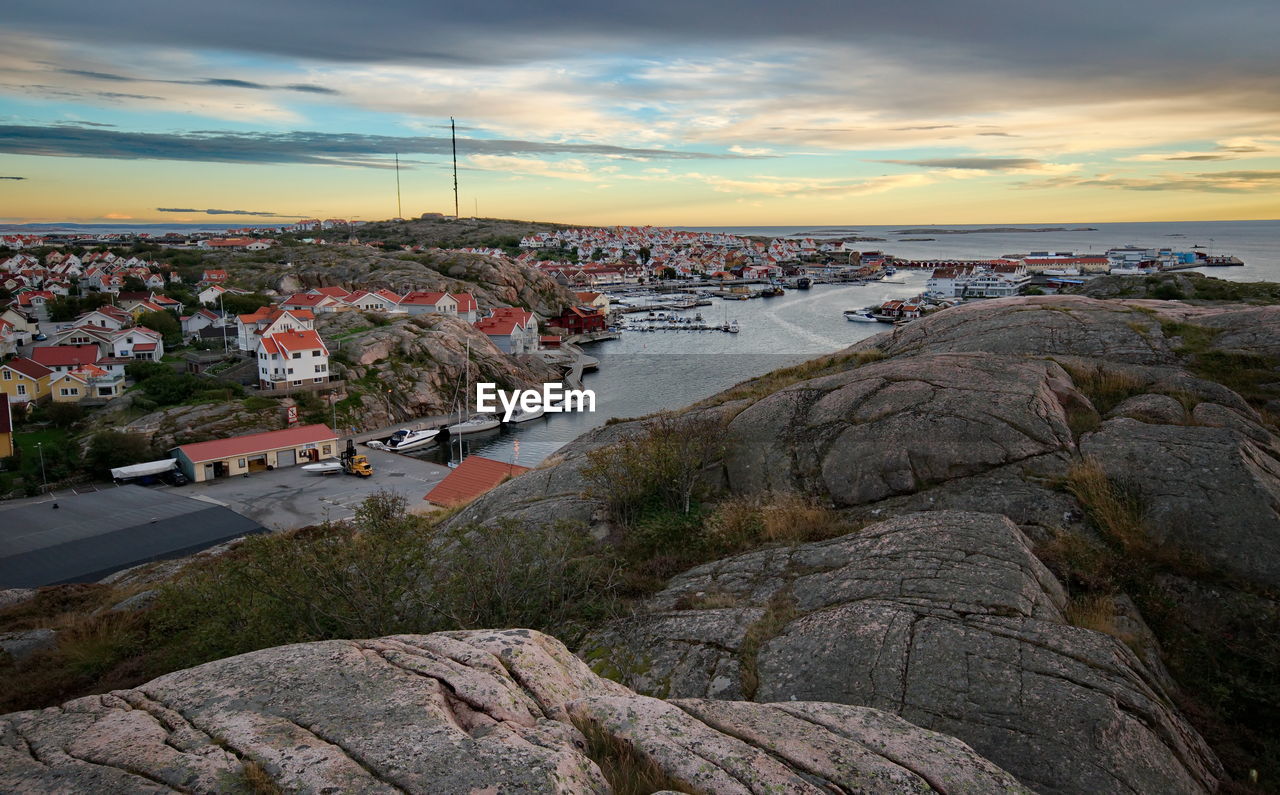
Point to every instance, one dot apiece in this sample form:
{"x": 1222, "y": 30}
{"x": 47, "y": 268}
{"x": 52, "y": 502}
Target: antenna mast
{"x": 399, "y": 209}
{"x": 453, "y": 135}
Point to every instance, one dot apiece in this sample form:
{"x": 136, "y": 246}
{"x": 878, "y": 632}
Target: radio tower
{"x": 453, "y": 135}
{"x": 399, "y": 209}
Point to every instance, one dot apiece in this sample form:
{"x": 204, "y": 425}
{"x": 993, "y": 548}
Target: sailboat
{"x": 477, "y": 422}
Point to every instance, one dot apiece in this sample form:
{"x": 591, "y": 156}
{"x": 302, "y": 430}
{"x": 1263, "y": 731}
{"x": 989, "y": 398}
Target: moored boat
{"x": 476, "y": 424}
{"x": 410, "y": 438}
{"x": 526, "y": 416}
{"x": 860, "y": 316}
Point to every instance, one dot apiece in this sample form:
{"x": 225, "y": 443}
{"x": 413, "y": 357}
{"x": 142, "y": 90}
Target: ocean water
{"x": 646, "y": 372}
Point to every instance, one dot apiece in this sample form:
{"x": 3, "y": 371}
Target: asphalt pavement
{"x": 283, "y": 499}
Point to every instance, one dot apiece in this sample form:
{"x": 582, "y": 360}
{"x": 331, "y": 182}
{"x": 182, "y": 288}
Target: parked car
{"x": 40, "y": 337}
{"x": 174, "y": 477}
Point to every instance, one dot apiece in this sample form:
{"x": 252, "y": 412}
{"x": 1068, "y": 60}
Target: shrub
{"x": 744, "y": 523}
{"x": 111, "y": 449}
{"x": 658, "y": 471}
{"x": 389, "y": 572}
{"x": 142, "y": 370}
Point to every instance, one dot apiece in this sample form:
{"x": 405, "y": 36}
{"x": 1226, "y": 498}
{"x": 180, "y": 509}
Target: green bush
{"x": 110, "y": 449}
{"x": 143, "y": 369}
{"x": 388, "y": 572}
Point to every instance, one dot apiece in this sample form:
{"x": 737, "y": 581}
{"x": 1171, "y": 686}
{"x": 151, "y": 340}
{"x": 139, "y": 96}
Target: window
{"x": 243, "y": 463}
{"x": 290, "y": 371}
{"x": 297, "y": 354}
{"x": 297, "y": 383}
{"x": 8, "y": 376}
{"x": 65, "y": 392}
{"x": 22, "y": 389}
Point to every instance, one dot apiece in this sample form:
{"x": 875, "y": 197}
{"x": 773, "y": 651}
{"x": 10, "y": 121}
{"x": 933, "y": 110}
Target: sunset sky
{"x": 675, "y": 113}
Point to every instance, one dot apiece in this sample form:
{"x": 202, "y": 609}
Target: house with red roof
{"x": 468, "y": 309}
{"x": 511, "y": 329}
{"x": 314, "y": 302}
{"x": 422, "y": 303}
{"x": 108, "y": 316}
{"x": 24, "y": 380}
{"x": 6, "y": 427}
{"x": 333, "y": 292}
{"x": 255, "y": 452}
{"x": 86, "y": 382}
{"x": 64, "y": 358}
{"x": 270, "y": 320}
{"x": 579, "y": 320}
{"x": 377, "y": 301}
{"x": 294, "y": 358}
{"x": 476, "y": 475}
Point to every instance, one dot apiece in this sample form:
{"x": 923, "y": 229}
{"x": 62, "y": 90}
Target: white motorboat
{"x": 526, "y": 416}
{"x": 476, "y": 424}
{"x": 410, "y": 438}
{"x": 323, "y": 467}
{"x": 860, "y": 316}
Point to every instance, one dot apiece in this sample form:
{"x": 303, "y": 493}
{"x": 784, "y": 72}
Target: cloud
{"x": 118, "y": 216}
{"x": 973, "y": 163}
{"x": 304, "y": 147}
{"x": 12, "y": 177}
{"x": 1202, "y": 182}
{"x": 189, "y": 210}
{"x": 219, "y": 82}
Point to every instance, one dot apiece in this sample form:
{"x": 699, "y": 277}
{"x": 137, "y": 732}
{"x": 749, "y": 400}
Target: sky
{"x": 714, "y": 112}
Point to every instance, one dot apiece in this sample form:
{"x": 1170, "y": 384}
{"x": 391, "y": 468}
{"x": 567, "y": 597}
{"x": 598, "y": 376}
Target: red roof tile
{"x": 257, "y": 443}
{"x": 63, "y": 355}
{"x": 473, "y": 477}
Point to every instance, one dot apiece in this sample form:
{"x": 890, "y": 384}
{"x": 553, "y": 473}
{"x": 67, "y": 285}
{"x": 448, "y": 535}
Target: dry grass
{"x": 1115, "y": 508}
{"x": 92, "y": 645}
{"x": 713, "y": 600}
{"x": 628, "y": 771}
{"x": 777, "y": 380}
{"x": 257, "y": 780}
{"x": 1098, "y": 613}
{"x": 779, "y": 612}
{"x": 1104, "y": 388}
{"x": 1081, "y": 561}
{"x": 743, "y": 523}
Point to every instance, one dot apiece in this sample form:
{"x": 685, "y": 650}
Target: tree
{"x": 165, "y": 323}
{"x": 245, "y": 304}
{"x": 132, "y": 284}
{"x": 111, "y": 449}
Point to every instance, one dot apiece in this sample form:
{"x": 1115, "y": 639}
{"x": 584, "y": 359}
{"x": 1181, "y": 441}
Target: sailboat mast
{"x": 453, "y": 136}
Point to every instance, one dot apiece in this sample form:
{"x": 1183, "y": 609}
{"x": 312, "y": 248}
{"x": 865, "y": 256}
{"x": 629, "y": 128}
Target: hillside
{"x": 1026, "y": 543}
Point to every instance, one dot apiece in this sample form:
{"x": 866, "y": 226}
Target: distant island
{"x": 993, "y": 229}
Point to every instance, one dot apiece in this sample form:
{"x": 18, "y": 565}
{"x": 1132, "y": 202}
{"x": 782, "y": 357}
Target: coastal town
{"x": 108, "y": 338}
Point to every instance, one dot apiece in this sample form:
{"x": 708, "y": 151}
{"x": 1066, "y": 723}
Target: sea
{"x": 646, "y": 372}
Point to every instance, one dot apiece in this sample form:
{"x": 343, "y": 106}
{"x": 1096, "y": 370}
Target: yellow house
{"x": 86, "y": 381}
{"x": 24, "y": 380}
{"x": 6, "y": 427}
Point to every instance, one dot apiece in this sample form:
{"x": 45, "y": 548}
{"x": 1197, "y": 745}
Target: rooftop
{"x": 476, "y": 475}
{"x": 219, "y": 449}
{"x": 89, "y": 536}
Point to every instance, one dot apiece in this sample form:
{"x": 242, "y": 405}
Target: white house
{"x": 270, "y": 320}
{"x": 292, "y": 358}
{"x": 379, "y": 301}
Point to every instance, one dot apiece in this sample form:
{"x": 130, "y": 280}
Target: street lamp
{"x": 44, "y": 481}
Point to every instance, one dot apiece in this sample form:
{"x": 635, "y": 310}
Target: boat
{"x": 772, "y": 291}
{"x": 323, "y": 468}
{"x": 860, "y": 316}
{"x": 731, "y": 327}
{"x": 526, "y": 416}
{"x": 409, "y": 438}
{"x": 476, "y": 424}
{"x": 803, "y": 283}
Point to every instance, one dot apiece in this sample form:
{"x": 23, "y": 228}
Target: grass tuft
{"x": 779, "y": 612}
{"x": 628, "y": 771}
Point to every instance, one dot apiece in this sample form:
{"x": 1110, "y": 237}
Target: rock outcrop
{"x": 944, "y": 618}
{"x": 415, "y": 367}
{"x": 460, "y": 712}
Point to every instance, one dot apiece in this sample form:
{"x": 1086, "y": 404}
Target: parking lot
{"x": 283, "y": 499}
